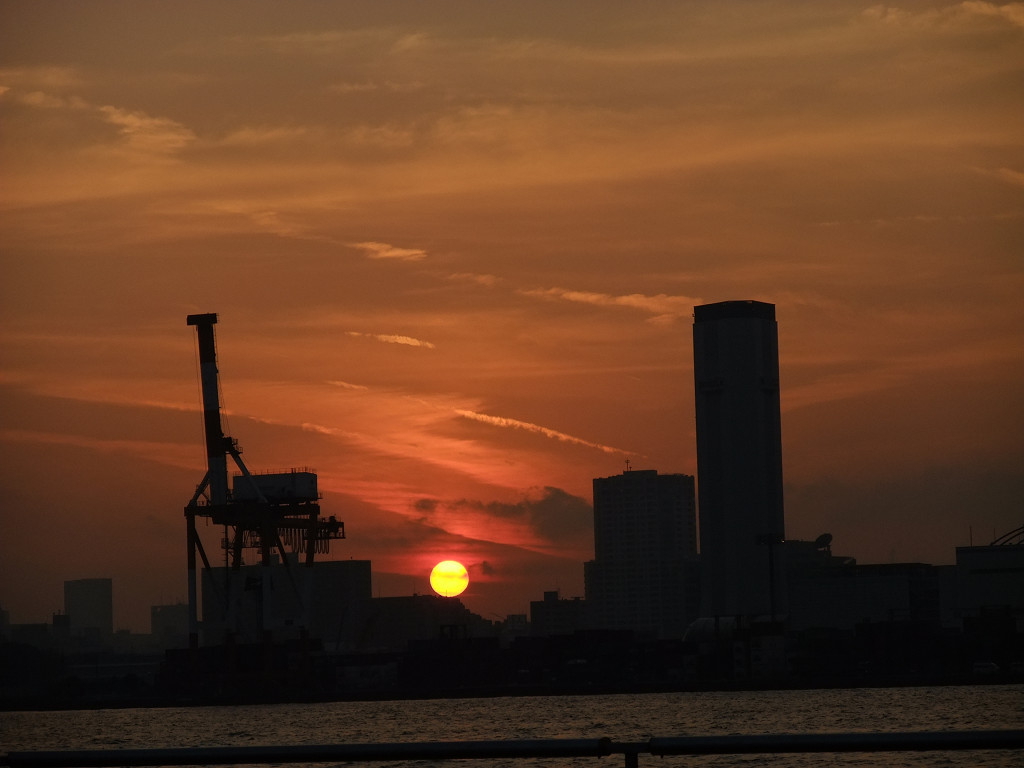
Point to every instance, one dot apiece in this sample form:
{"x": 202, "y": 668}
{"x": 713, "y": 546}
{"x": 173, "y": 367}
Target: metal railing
{"x": 542, "y": 748}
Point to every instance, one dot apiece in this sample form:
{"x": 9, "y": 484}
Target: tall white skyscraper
{"x": 739, "y": 458}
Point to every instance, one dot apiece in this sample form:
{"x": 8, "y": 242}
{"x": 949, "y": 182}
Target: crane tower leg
{"x": 193, "y": 613}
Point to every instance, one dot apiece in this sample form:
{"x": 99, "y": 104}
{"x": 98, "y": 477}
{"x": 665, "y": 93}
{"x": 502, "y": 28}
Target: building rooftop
{"x": 724, "y": 310}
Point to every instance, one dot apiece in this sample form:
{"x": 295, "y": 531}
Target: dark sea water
{"x": 620, "y": 717}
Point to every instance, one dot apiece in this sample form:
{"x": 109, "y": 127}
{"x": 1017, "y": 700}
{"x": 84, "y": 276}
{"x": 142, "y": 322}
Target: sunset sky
{"x": 455, "y": 248}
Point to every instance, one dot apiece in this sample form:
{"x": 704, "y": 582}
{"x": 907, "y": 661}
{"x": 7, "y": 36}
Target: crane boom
{"x": 216, "y": 444}
{"x": 266, "y": 512}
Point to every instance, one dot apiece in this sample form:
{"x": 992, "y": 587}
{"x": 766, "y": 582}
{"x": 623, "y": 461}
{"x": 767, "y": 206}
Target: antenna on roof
{"x": 627, "y": 465}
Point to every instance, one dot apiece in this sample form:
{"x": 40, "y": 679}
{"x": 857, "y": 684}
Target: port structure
{"x": 268, "y": 512}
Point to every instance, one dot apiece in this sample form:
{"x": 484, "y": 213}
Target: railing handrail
{"x": 919, "y": 741}
{"x": 538, "y": 748}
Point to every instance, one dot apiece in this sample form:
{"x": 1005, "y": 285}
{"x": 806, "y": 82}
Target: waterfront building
{"x": 739, "y": 458}
{"x": 644, "y": 575}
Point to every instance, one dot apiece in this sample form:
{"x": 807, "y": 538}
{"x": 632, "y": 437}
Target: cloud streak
{"x": 163, "y": 453}
{"x": 500, "y": 421}
{"x": 347, "y": 385}
{"x": 662, "y": 307}
{"x": 142, "y": 132}
{"x": 385, "y": 251}
{"x": 390, "y": 338}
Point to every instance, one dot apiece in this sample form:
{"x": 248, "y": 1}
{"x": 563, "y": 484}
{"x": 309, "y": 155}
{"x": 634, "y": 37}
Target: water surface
{"x": 620, "y": 717}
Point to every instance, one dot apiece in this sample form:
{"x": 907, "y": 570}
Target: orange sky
{"x": 455, "y": 247}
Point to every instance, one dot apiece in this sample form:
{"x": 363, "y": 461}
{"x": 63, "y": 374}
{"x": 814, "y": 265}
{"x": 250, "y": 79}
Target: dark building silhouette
{"x": 843, "y": 596}
{"x": 322, "y": 599}
{"x": 991, "y": 578}
{"x": 169, "y": 625}
{"x": 645, "y": 571}
{"x": 394, "y": 624}
{"x": 990, "y": 598}
{"x": 555, "y": 616}
{"x": 739, "y": 458}
{"x": 89, "y": 606}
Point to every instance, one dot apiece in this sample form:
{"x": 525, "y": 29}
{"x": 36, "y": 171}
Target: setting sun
{"x": 449, "y": 578}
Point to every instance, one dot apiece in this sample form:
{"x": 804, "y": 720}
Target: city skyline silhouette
{"x": 455, "y": 258}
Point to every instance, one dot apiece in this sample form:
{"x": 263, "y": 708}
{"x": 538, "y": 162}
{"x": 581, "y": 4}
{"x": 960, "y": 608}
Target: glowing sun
{"x": 449, "y": 578}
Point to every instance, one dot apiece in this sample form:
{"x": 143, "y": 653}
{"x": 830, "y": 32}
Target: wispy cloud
{"x": 385, "y": 251}
{"x": 661, "y": 306}
{"x": 500, "y": 421}
{"x": 42, "y": 77}
{"x": 347, "y": 385}
{"x": 149, "y": 134}
{"x": 1010, "y": 176}
{"x": 320, "y": 43}
{"x": 43, "y": 99}
{"x": 367, "y": 87}
{"x": 1011, "y": 12}
{"x": 471, "y": 277}
{"x": 388, "y": 338}
{"x": 950, "y": 16}
{"x": 142, "y": 132}
{"x": 165, "y": 453}
{"x": 256, "y": 136}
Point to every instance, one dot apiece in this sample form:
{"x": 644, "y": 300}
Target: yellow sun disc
{"x": 449, "y": 578}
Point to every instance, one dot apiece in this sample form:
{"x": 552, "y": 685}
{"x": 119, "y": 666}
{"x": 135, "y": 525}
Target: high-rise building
{"x": 89, "y": 606}
{"x": 739, "y": 458}
{"x": 644, "y": 573}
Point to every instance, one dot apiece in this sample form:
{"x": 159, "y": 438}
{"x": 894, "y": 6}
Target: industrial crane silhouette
{"x": 267, "y": 512}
